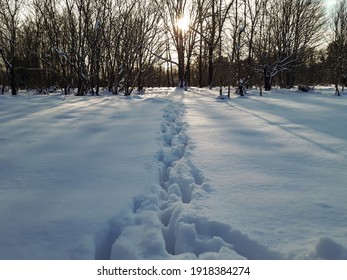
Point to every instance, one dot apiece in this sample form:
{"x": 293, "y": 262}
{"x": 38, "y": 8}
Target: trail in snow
{"x": 184, "y": 231}
{"x": 169, "y": 216}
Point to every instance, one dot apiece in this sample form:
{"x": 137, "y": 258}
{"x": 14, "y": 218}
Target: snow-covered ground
{"x": 174, "y": 175}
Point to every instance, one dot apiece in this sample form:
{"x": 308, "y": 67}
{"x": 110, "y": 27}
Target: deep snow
{"x": 174, "y": 175}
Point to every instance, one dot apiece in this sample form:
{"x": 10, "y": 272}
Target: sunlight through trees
{"x": 83, "y": 45}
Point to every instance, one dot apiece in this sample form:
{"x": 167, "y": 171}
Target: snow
{"x": 174, "y": 175}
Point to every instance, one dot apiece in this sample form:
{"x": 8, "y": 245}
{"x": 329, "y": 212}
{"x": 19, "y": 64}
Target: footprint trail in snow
{"x": 166, "y": 223}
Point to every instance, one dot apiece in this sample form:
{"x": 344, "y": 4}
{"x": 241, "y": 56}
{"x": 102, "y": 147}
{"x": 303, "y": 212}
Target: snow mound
{"x": 328, "y": 249}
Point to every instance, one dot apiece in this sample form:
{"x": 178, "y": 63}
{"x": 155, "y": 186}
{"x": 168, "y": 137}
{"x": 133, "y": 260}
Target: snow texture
{"x": 174, "y": 175}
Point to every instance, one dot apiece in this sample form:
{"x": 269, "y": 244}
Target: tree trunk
{"x": 200, "y": 48}
{"x": 211, "y": 45}
{"x": 140, "y": 76}
{"x": 337, "y": 92}
{"x": 80, "y": 86}
{"x": 13, "y": 80}
{"x": 288, "y": 79}
{"x": 267, "y": 83}
{"x": 210, "y": 66}
{"x": 188, "y": 72}
{"x": 168, "y": 74}
{"x": 181, "y": 60}
{"x": 97, "y": 76}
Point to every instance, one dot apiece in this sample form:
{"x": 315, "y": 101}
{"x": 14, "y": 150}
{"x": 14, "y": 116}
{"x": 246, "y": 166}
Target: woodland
{"x": 83, "y": 46}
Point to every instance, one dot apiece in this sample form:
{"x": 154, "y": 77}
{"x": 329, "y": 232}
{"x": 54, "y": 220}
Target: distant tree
{"x": 32, "y": 43}
{"x": 215, "y": 23}
{"x": 55, "y": 48}
{"x": 254, "y": 11}
{"x": 3, "y": 77}
{"x": 10, "y": 24}
{"x": 95, "y": 44}
{"x": 287, "y": 31}
{"x": 120, "y": 38}
{"x": 314, "y": 70}
{"x": 150, "y": 45}
{"x": 112, "y": 40}
{"x": 299, "y": 31}
{"x": 202, "y": 11}
{"x": 337, "y": 49}
{"x": 123, "y": 45}
{"x": 172, "y": 12}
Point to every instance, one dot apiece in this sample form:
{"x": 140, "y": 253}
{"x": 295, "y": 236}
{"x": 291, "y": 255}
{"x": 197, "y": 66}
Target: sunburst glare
{"x": 183, "y": 23}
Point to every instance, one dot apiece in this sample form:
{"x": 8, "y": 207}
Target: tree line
{"x": 82, "y": 46}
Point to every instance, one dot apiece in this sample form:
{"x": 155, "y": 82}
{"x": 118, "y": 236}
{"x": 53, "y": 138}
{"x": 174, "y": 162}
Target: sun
{"x": 183, "y": 23}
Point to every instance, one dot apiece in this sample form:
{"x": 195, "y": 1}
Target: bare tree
{"x": 173, "y": 11}
{"x": 337, "y": 49}
{"x": 253, "y": 14}
{"x": 218, "y": 13}
{"x": 96, "y": 44}
{"x": 202, "y": 11}
{"x": 150, "y": 46}
{"x": 120, "y": 55}
{"x": 87, "y": 44}
{"x": 3, "y": 75}
{"x": 10, "y": 23}
{"x": 298, "y": 30}
{"x": 55, "y": 45}
{"x": 287, "y": 29}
